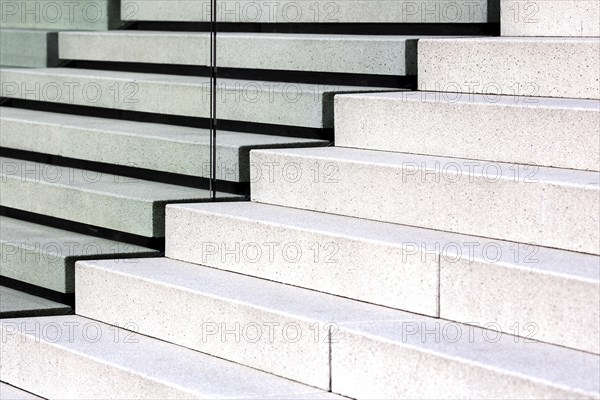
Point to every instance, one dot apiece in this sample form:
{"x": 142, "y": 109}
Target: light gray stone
{"x": 550, "y": 295}
{"x": 528, "y": 204}
{"x": 57, "y": 15}
{"x": 550, "y": 18}
{"x": 125, "y": 204}
{"x": 360, "y": 54}
{"x": 482, "y": 280}
{"x": 14, "y": 303}
{"x": 72, "y": 357}
{"x": 529, "y": 67}
{"x": 281, "y": 103}
{"x": 8, "y": 392}
{"x": 159, "y": 147}
{"x": 265, "y": 325}
{"x": 319, "y": 11}
{"x": 561, "y": 133}
{"x": 363, "y": 260}
{"x": 45, "y": 256}
{"x": 437, "y": 359}
{"x": 28, "y": 48}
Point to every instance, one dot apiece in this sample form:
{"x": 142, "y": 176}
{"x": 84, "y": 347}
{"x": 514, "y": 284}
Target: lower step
{"x": 72, "y": 357}
{"x": 45, "y": 256}
{"x": 521, "y": 203}
{"x": 361, "y": 350}
{"x": 115, "y": 202}
{"x": 9, "y": 392}
{"x": 14, "y": 304}
{"x": 28, "y": 48}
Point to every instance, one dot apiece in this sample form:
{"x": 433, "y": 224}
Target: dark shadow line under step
{"x": 178, "y": 120}
{"x": 63, "y": 298}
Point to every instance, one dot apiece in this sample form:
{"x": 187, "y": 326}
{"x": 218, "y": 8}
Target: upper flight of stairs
{"x": 445, "y": 248}
{"x": 29, "y": 29}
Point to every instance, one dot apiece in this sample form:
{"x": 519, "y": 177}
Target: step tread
{"x": 18, "y": 304}
{"x": 9, "y": 392}
{"x": 551, "y": 261}
{"x": 151, "y": 359}
{"x": 561, "y": 366}
{"x": 361, "y": 54}
{"x": 584, "y": 179}
{"x": 45, "y": 256}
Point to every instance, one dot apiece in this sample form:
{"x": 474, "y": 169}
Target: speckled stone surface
{"x": 550, "y": 18}
{"x": 57, "y": 15}
{"x": 29, "y": 48}
{"x": 45, "y": 256}
{"x": 77, "y": 358}
{"x": 530, "y": 67}
{"x": 110, "y": 201}
{"x": 482, "y": 280}
{"x": 281, "y": 103}
{"x": 318, "y": 11}
{"x": 546, "y": 206}
{"x": 158, "y": 147}
{"x": 360, "y": 54}
{"x": 370, "y": 351}
{"x": 14, "y": 303}
{"x": 9, "y": 392}
{"x": 412, "y": 359}
{"x": 354, "y": 258}
{"x": 550, "y": 132}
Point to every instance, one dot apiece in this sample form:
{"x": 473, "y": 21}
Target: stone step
{"x": 72, "y": 357}
{"x": 550, "y": 18}
{"x": 45, "y": 256}
{"x": 115, "y": 202}
{"x": 301, "y": 334}
{"x": 9, "y": 392}
{"x": 319, "y": 11}
{"x": 58, "y": 15}
{"x": 529, "y": 67}
{"x": 295, "y": 104}
{"x": 14, "y": 303}
{"x": 358, "y": 54}
{"x": 527, "y": 204}
{"x": 28, "y": 48}
{"x": 457, "y": 277}
{"x": 159, "y": 147}
{"x": 561, "y": 133}
{"x": 409, "y": 359}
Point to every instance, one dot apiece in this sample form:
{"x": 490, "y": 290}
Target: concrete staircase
{"x": 446, "y": 247}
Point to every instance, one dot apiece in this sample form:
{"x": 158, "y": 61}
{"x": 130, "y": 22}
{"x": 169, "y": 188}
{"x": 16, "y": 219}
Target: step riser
{"x": 374, "y": 55}
{"x": 16, "y": 304}
{"x": 370, "y": 368}
{"x": 543, "y": 132}
{"x": 550, "y": 18}
{"x": 379, "y": 273}
{"x": 316, "y": 12}
{"x": 545, "y": 307}
{"x": 504, "y": 66}
{"x": 21, "y": 48}
{"x": 277, "y": 103}
{"x": 286, "y": 346}
{"x": 57, "y": 15}
{"x": 436, "y": 197}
